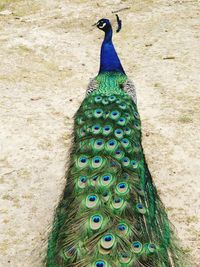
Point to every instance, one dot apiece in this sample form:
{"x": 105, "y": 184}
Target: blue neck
{"x": 109, "y": 60}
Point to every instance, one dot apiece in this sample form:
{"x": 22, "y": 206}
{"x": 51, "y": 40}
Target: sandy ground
{"x": 48, "y": 52}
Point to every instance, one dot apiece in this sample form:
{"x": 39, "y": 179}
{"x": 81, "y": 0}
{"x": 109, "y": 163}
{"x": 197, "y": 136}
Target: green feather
{"x": 110, "y": 213}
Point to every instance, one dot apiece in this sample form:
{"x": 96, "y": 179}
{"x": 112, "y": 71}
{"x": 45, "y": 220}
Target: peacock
{"x": 110, "y": 214}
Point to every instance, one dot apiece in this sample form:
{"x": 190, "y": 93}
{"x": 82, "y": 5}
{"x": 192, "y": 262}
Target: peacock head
{"x": 104, "y": 25}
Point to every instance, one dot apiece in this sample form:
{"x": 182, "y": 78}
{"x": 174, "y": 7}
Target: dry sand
{"x": 48, "y": 52}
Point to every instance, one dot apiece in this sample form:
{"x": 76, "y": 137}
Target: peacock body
{"x": 110, "y": 213}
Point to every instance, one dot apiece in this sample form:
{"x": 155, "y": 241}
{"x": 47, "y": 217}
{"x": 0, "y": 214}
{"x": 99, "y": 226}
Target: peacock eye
{"x": 96, "y": 219}
{"x": 83, "y": 179}
{"x": 106, "y": 177}
{"x": 98, "y": 99}
{"x": 101, "y": 24}
{"x": 100, "y": 263}
{"x": 92, "y": 201}
{"x": 99, "y": 143}
{"x": 121, "y": 227}
{"x": 112, "y": 98}
{"x": 125, "y": 161}
{"x": 107, "y": 241}
{"x": 152, "y": 247}
{"x": 94, "y": 178}
{"x": 122, "y": 185}
{"x": 137, "y": 247}
{"x": 105, "y": 194}
{"x": 140, "y": 208}
{"x": 117, "y": 200}
{"x": 92, "y": 198}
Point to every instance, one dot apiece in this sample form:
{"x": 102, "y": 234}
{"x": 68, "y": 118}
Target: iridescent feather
{"x": 110, "y": 213}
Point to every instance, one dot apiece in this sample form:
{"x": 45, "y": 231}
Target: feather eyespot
{"x": 125, "y": 161}
{"x": 107, "y": 241}
{"x": 137, "y": 247}
{"x": 106, "y": 196}
{"x": 114, "y": 115}
{"x": 94, "y": 180}
{"x": 121, "y": 121}
{"x": 117, "y": 200}
{"x": 112, "y": 98}
{"x": 91, "y": 201}
{"x": 122, "y": 229}
{"x": 96, "y": 129}
{"x": 83, "y": 179}
{"x": 82, "y": 161}
{"x": 82, "y": 182}
{"x": 99, "y": 144}
{"x": 122, "y": 106}
{"x": 96, "y": 222}
{"x": 82, "y": 132}
{"x": 137, "y": 125}
{"x": 106, "y": 114}
{"x": 122, "y": 188}
{"x": 134, "y": 164}
{"x": 125, "y": 257}
{"x": 127, "y": 131}
{"x": 119, "y": 154}
{"x": 140, "y": 208}
{"x": 96, "y": 219}
{"x": 92, "y": 198}
{"x": 105, "y": 102}
{"x": 107, "y": 129}
{"x": 97, "y": 162}
{"x": 151, "y": 247}
{"x": 118, "y": 203}
{"x": 111, "y": 145}
{"x": 125, "y": 142}
{"x": 127, "y": 115}
{"x": 98, "y": 113}
{"x": 106, "y": 179}
{"x": 118, "y": 133}
{"x": 98, "y": 99}
{"x": 100, "y": 263}
{"x": 137, "y": 116}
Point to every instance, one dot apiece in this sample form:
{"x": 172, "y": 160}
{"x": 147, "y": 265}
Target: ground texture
{"x": 48, "y": 52}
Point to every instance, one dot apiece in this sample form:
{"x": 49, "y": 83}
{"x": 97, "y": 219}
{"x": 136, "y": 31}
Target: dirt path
{"x": 48, "y": 52}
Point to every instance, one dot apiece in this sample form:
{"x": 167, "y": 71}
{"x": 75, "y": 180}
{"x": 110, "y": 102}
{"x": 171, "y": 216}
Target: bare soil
{"x": 48, "y": 52}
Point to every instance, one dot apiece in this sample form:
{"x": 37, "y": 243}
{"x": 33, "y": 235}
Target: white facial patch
{"x": 101, "y": 27}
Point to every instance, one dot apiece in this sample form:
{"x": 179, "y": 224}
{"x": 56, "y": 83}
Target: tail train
{"x": 110, "y": 213}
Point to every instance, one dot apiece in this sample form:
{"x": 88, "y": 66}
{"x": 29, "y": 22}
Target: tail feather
{"x": 110, "y": 213}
